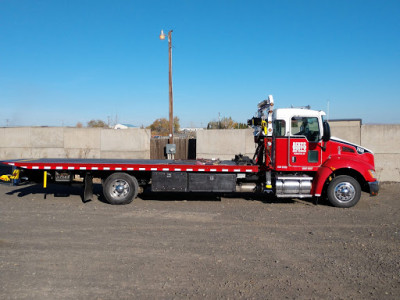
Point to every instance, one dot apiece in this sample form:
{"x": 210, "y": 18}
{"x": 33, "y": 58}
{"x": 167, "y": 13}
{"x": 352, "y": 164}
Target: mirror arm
{"x": 323, "y": 147}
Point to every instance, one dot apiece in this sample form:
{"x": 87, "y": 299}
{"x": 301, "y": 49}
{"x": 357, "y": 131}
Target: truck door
{"x": 304, "y": 143}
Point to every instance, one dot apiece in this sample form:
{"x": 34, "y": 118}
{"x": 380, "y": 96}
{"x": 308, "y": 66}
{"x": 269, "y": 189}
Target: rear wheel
{"x": 344, "y": 191}
{"x": 120, "y": 188}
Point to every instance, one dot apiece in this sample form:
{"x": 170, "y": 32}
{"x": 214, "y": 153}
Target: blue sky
{"x": 69, "y": 61}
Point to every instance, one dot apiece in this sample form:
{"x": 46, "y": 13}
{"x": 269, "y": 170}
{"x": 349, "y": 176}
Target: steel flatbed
{"x": 132, "y": 165}
{"x": 121, "y": 178}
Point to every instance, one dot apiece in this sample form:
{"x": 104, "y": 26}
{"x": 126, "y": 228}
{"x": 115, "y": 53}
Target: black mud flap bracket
{"x": 88, "y": 188}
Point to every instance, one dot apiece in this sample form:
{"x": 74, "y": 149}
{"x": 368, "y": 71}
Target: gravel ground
{"x": 177, "y": 247}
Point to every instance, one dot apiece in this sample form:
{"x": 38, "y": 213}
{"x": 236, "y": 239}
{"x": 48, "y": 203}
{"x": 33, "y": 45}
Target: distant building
{"x": 124, "y": 126}
{"x": 191, "y": 129}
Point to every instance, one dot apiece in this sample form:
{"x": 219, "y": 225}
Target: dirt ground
{"x": 197, "y": 246}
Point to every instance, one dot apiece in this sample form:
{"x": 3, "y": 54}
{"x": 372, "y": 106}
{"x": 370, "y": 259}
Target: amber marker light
{"x": 372, "y": 173}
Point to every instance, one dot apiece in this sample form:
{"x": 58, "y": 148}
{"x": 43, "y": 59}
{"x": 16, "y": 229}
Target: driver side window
{"x": 307, "y": 127}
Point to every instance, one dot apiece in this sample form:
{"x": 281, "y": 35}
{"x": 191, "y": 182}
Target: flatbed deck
{"x": 132, "y": 165}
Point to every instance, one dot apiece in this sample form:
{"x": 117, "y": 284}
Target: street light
{"x": 171, "y": 101}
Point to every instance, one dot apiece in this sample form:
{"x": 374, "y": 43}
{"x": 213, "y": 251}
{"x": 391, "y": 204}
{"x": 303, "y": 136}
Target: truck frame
{"x": 296, "y": 157}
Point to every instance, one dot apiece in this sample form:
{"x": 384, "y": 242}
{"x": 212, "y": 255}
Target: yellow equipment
{"x": 15, "y": 175}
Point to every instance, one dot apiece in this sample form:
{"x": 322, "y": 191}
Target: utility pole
{"x": 171, "y": 99}
{"x": 171, "y": 147}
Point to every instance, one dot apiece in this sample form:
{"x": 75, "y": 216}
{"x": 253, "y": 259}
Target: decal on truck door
{"x": 299, "y": 148}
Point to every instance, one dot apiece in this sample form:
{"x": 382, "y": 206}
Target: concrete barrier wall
{"x": 59, "y": 142}
{"x": 224, "y": 144}
{"x": 384, "y": 141}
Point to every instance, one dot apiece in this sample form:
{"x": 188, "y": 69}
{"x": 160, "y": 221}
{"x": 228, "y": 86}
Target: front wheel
{"x": 344, "y": 191}
{"x": 120, "y": 188}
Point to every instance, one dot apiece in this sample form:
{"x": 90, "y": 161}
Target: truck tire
{"x": 120, "y": 188}
{"x": 344, "y": 191}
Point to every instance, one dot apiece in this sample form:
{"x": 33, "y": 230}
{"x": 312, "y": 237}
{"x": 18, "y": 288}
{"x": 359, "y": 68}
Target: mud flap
{"x": 88, "y": 188}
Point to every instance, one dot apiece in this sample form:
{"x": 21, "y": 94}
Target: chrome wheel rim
{"x": 119, "y": 189}
{"x": 344, "y": 192}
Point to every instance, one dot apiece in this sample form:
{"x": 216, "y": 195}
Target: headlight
{"x": 372, "y": 173}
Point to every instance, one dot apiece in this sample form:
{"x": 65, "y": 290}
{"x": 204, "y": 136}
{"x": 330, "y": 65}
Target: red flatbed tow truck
{"x": 296, "y": 157}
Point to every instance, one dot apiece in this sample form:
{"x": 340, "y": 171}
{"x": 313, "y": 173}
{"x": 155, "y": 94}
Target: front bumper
{"x": 373, "y": 188}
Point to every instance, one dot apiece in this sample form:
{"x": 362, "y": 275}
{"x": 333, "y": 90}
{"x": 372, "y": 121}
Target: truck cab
{"x": 303, "y": 160}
